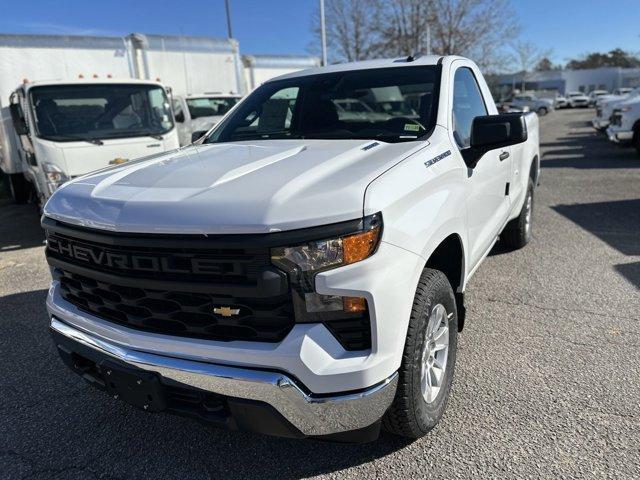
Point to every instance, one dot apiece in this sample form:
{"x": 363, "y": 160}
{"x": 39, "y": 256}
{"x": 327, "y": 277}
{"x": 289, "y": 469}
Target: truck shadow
{"x": 616, "y": 223}
{"x": 588, "y": 150}
{"x": 53, "y": 419}
{"x": 630, "y": 271}
{"x": 19, "y": 227}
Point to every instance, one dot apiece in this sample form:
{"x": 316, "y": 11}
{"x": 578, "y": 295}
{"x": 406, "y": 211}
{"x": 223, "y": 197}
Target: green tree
{"x": 615, "y": 58}
{"x": 545, "y": 65}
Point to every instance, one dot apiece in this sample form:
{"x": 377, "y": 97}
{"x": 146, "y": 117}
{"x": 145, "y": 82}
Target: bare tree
{"x": 479, "y": 29}
{"x": 526, "y": 56}
{"x": 474, "y": 28}
{"x": 352, "y": 31}
{"x": 404, "y": 26}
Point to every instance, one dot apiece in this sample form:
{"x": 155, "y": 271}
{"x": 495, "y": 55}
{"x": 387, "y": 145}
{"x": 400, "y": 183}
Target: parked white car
{"x": 195, "y": 114}
{"x": 625, "y": 123}
{"x": 595, "y": 95}
{"x": 577, "y": 99}
{"x": 295, "y": 273}
{"x": 560, "y": 101}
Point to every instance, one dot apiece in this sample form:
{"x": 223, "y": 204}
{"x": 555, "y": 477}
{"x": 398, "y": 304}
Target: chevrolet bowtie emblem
{"x": 226, "y": 311}
{"x": 118, "y": 161}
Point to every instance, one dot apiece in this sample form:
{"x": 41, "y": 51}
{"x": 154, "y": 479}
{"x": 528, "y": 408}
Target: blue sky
{"x": 568, "y": 27}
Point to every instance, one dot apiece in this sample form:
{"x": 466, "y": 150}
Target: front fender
{"x": 422, "y": 203}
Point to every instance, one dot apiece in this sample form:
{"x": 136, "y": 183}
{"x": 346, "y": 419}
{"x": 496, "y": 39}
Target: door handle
{"x": 504, "y": 156}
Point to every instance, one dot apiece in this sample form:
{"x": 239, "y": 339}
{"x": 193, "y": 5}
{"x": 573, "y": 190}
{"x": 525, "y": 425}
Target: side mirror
{"x": 17, "y": 117}
{"x": 195, "y": 136}
{"x": 179, "y": 117}
{"x": 490, "y": 132}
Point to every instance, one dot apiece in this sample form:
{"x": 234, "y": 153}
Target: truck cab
{"x": 55, "y": 131}
{"x": 197, "y": 113}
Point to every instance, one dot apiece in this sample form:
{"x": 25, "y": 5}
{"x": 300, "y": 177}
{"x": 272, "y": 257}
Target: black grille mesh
{"x": 180, "y": 313}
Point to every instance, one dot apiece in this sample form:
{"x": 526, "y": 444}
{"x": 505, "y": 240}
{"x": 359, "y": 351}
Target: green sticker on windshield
{"x": 411, "y": 127}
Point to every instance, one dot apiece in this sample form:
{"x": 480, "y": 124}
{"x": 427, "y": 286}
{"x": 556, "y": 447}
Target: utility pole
{"x": 323, "y": 34}
{"x": 428, "y": 39}
{"x": 228, "y": 10}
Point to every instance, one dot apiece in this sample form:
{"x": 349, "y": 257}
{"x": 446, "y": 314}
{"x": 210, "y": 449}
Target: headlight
{"x": 54, "y": 175}
{"x": 303, "y": 262}
{"x": 330, "y": 253}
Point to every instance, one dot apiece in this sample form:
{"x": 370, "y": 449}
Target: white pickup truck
{"x": 625, "y": 123}
{"x": 296, "y": 272}
{"x": 195, "y": 114}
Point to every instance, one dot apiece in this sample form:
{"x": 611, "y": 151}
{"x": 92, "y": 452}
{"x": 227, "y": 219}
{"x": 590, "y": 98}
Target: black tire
{"x": 542, "y": 111}
{"x": 410, "y": 415}
{"x": 19, "y": 188}
{"x": 518, "y": 231}
{"x": 636, "y": 140}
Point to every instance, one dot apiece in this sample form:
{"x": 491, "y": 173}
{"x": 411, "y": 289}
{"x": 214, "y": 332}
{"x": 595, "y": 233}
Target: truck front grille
{"x": 180, "y": 313}
{"x": 216, "y": 287}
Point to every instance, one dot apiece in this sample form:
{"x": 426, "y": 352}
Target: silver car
{"x": 541, "y": 106}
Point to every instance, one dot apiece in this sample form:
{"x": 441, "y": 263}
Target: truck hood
{"x": 244, "y": 187}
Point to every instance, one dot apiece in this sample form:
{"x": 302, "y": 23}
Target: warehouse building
{"x": 563, "y": 81}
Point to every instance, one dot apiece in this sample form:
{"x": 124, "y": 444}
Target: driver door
{"x": 487, "y": 199}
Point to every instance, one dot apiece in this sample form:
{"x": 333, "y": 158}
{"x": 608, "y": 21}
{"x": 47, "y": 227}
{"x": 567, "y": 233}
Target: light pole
{"x": 228, "y": 10}
{"x": 323, "y": 34}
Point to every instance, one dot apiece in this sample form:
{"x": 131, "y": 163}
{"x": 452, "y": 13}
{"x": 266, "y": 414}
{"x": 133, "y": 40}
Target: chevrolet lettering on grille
{"x": 141, "y": 262}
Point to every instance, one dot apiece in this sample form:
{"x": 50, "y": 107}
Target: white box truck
{"x": 188, "y": 65}
{"x": 260, "y": 68}
{"x": 69, "y": 106}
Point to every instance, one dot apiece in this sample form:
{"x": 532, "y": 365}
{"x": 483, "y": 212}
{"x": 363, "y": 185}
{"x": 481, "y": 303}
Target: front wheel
{"x": 428, "y": 361}
{"x": 542, "y": 111}
{"x": 19, "y": 187}
{"x": 636, "y": 140}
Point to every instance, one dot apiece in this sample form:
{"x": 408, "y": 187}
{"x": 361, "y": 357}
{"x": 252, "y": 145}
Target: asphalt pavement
{"x": 547, "y": 380}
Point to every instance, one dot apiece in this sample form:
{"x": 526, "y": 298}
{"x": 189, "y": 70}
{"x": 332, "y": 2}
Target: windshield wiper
{"x": 157, "y": 137}
{"x": 94, "y": 141}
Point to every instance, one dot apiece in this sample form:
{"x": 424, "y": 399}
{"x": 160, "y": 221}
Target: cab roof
{"x": 410, "y": 61}
{"x": 89, "y": 81}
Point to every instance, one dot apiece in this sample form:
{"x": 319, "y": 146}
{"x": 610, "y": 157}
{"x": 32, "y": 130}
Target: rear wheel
{"x": 428, "y": 362}
{"x": 518, "y": 231}
{"x": 19, "y": 188}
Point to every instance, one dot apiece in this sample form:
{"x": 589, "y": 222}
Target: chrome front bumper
{"x": 619, "y": 136}
{"x": 311, "y": 415}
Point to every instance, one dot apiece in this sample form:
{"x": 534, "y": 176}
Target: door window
{"x": 467, "y": 104}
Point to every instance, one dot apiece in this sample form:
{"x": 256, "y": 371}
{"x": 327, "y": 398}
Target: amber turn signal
{"x": 354, "y": 304}
{"x": 360, "y": 246}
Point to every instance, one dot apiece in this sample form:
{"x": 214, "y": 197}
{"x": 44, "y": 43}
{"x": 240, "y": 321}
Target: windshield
{"x": 390, "y": 104}
{"x": 210, "y": 106}
{"x": 100, "y": 111}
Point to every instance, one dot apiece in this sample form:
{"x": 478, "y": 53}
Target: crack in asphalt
{"x": 522, "y": 303}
